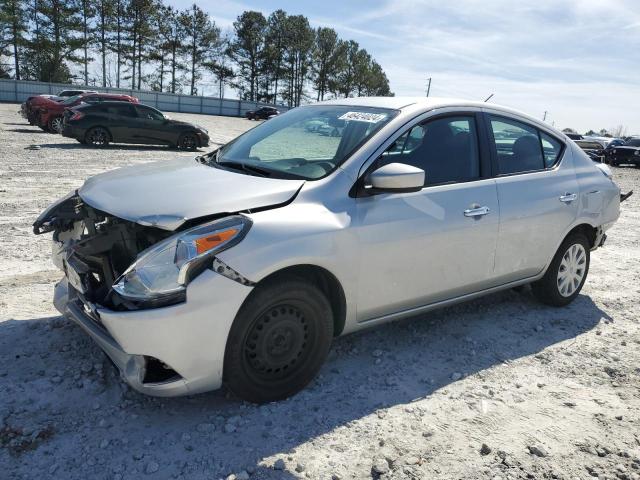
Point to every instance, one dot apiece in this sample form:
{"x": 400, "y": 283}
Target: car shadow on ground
{"x": 214, "y": 433}
{"x": 29, "y": 130}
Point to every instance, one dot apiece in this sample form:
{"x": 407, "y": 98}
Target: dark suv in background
{"x": 124, "y": 122}
{"x": 262, "y": 113}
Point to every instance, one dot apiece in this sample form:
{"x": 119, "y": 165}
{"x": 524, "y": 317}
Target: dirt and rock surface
{"x": 499, "y": 388}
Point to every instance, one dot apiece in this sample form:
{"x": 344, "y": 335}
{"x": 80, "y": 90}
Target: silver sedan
{"x": 240, "y": 266}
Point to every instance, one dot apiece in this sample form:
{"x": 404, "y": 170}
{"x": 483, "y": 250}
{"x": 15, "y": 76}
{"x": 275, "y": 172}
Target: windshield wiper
{"x": 263, "y": 172}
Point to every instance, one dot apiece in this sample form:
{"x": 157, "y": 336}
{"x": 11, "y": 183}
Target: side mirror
{"x": 396, "y": 178}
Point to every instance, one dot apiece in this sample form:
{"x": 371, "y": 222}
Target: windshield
{"x": 71, "y": 100}
{"x": 307, "y": 142}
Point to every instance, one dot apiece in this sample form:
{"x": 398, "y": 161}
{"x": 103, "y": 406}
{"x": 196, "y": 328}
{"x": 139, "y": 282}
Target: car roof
{"x": 430, "y": 103}
{"x": 399, "y": 103}
{"x": 108, "y": 102}
{"x": 105, "y": 95}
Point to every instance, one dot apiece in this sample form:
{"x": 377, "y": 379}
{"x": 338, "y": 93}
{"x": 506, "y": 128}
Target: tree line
{"x": 145, "y": 44}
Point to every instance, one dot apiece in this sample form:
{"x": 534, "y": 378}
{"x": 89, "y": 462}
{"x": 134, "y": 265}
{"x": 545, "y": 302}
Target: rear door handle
{"x": 568, "y": 197}
{"x": 476, "y": 212}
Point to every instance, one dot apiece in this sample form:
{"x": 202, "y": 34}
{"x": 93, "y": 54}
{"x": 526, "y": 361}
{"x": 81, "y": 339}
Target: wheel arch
{"x": 322, "y": 278}
{"x": 87, "y": 130}
{"x": 187, "y": 132}
{"x": 586, "y": 228}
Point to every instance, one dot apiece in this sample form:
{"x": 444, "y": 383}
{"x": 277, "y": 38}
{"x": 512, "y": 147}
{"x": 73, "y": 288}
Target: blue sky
{"x": 577, "y": 59}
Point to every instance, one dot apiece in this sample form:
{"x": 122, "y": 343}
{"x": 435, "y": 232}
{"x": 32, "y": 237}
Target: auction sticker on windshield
{"x": 363, "y": 117}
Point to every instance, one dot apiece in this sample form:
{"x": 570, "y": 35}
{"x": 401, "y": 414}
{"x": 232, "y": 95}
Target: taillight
{"x": 77, "y": 116}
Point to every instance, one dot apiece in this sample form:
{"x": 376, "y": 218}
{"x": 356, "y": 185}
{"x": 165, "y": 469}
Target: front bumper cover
{"x": 190, "y": 337}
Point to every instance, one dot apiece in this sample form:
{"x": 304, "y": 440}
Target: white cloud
{"x": 575, "y": 58}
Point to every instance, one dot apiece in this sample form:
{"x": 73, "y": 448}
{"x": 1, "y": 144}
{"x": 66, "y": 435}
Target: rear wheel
{"x": 567, "y": 273}
{"x": 278, "y": 341}
{"x": 188, "y": 141}
{"x": 98, "y": 137}
{"x": 55, "y": 125}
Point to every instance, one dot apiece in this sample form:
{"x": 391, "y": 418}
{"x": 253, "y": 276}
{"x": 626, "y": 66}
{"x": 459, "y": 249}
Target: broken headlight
{"x": 163, "y": 271}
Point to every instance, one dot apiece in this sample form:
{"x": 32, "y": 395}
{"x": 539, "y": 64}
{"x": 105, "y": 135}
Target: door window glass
{"x": 551, "y": 149}
{"x": 517, "y": 146}
{"x": 445, "y": 148}
{"x": 126, "y": 111}
{"x": 149, "y": 113}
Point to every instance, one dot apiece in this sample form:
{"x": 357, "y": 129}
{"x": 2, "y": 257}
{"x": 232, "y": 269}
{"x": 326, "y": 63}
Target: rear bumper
{"x": 190, "y": 337}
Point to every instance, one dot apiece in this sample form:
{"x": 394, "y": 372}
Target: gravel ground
{"x": 497, "y": 388}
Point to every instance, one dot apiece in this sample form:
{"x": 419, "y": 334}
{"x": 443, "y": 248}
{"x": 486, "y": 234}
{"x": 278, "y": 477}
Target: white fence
{"x": 19, "y": 90}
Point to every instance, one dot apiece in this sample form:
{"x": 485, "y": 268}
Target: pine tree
{"x": 202, "y": 37}
{"x": 87, "y": 13}
{"x": 13, "y": 26}
{"x": 247, "y": 50}
{"x": 104, "y": 23}
{"x": 325, "y": 59}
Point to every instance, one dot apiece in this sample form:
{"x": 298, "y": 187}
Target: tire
{"x": 55, "y": 125}
{"x": 573, "y": 258}
{"x": 278, "y": 342}
{"x": 97, "y": 137}
{"x": 188, "y": 141}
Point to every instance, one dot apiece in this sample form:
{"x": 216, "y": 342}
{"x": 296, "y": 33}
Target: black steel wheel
{"x": 188, "y": 141}
{"x": 278, "y": 342}
{"x": 98, "y": 137}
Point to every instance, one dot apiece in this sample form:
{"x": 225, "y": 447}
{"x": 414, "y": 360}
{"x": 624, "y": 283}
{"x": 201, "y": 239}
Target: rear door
{"x": 123, "y": 122}
{"x": 537, "y": 191}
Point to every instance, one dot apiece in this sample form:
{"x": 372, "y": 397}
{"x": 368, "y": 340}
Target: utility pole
{"x": 428, "y": 86}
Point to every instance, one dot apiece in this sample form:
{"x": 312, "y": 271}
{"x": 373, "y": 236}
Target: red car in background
{"x": 50, "y": 113}
{"x": 30, "y": 108}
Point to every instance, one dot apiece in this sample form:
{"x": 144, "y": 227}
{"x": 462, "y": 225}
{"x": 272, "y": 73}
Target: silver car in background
{"x": 240, "y": 266}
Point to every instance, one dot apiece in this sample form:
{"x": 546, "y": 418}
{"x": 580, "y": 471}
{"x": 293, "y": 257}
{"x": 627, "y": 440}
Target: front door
{"x": 423, "y": 247}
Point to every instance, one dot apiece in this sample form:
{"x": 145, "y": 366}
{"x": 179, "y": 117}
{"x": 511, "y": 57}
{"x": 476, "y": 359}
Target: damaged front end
{"x": 126, "y": 285}
{"x": 94, "y": 248}
{"x": 123, "y": 265}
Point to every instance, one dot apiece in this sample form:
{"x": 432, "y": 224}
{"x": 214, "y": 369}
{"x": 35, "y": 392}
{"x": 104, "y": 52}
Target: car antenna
{"x": 487, "y": 99}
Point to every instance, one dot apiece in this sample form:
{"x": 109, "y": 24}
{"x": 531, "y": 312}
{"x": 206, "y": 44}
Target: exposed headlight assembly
{"x": 161, "y": 273}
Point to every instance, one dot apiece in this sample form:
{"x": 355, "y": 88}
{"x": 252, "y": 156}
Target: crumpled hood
{"x": 168, "y": 193}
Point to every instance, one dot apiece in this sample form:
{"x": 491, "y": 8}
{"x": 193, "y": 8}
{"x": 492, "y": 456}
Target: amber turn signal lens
{"x": 204, "y": 244}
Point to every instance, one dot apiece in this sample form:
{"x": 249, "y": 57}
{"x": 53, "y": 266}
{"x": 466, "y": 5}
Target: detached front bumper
{"x": 190, "y": 337}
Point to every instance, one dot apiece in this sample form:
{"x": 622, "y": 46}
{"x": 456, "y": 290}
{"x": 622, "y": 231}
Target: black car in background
{"x": 629, "y": 153}
{"x": 574, "y": 136}
{"x": 123, "y": 122}
{"x": 262, "y": 113}
{"x": 594, "y": 149}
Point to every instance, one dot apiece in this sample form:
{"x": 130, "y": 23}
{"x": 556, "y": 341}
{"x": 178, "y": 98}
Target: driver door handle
{"x": 568, "y": 197}
{"x": 476, "y": 212}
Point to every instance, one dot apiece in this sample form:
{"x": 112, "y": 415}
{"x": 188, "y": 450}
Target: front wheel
{"x": 278, "y": 342}
{"x": 188, "y": 141}
{"x": 567, "y": 273}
